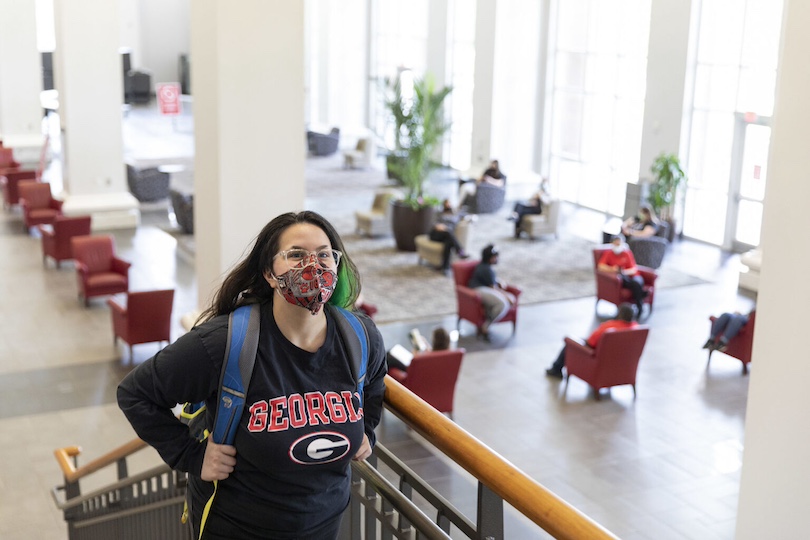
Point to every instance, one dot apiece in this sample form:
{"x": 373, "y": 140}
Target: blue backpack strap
{"x": 351, "y": 327}
{"x": 240, "y": 356}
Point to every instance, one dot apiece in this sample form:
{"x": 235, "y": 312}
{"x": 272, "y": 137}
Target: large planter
{"x": 408, "y": 223}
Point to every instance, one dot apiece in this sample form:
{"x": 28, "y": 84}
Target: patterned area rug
{"x": 402, "y": 289}
{"x": 546, "y": 270}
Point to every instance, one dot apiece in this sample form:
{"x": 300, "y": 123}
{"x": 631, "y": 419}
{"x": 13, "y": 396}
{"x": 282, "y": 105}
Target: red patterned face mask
{"x": 309, "y": 287}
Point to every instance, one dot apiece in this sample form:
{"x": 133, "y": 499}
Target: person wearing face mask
{"x": 619, "y": 260}
{"x": 270, "y": 482}
{"x": 644, "y": 225}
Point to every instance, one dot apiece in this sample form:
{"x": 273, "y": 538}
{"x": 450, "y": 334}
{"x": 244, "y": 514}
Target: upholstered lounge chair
{"x": 38, "y": 204}
{"x": 609, "y": 285}
{"x": 741, "y": 345}
{"x": 613, "y": 362}
{"x": 56, "y": 237}
{"x": 648, "y": 251}
{"x": 142, "y": 317}
{"x": 7, "y": 160}
{"x": 487, "y": 199}
{"x": 432, "y": 376}
{"x": 98, "y": 271}
{"x": 323, "y": 144}
{"x": 535, "y": 225}
{"x": 10, "y": 184}
{"x": 362, "y": 155}
{"x": 183, "y": 208}
{"x": 147, "y": 183}
{"x": 468, "y": 300}
{"x": 432, "y": 252}
{"x": 377, "y": 220}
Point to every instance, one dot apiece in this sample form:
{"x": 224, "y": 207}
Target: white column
{"x": 773, "y": 490}
{"x": 90, "y": 90}
{"x": 437, "y": 41}
{"x": 248, "y": 81}
{"x": 482, "y": 92}
{"x": 20, "y": 80}
{"x": 665, "y": 104}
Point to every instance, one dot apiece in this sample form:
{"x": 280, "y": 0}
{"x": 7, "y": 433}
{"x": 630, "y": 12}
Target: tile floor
{"x": 663, "y": 466}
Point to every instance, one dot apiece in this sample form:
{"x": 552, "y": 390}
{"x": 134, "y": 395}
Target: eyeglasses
{"x": 298, "y": 258}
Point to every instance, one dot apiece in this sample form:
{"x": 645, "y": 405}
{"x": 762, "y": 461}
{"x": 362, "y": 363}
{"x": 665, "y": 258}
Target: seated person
{"x": 619, "y": 260}
{"x": 624, "y": 319}
{"x": 444, "y": 231}
{"x": 492, "y": 175}
{"x": 495, "y": 298}
{"x": 724, "y": 328}
{"x": 440, "y": 342}
{"x": 644, "y": 225}
{"x": 534, "y": 206}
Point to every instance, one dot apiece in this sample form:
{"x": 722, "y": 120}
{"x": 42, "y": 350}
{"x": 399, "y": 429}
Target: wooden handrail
{"x": 529, "y": 497}
{"x": 72, "y": 474}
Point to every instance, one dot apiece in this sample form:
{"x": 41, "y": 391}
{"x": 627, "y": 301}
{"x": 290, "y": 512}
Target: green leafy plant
{"x": 668, "y": 176}
{"x": 419, "y": 126}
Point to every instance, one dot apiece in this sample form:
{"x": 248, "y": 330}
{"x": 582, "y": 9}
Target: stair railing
{"x": 151, "y": 502}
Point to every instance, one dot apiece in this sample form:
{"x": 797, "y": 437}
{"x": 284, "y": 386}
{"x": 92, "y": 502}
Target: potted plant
{"x": 419, "y": 125}
{"x": 667, "y": 178}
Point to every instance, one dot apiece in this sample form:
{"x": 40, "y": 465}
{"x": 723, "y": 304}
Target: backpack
{"x": 237, "y": 369}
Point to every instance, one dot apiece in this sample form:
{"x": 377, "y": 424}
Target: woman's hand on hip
{"x": 218, "y": 462}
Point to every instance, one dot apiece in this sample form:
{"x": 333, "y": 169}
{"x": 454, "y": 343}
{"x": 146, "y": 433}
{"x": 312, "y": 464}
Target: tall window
{"x": 735, "y": 81}
{"x": 514, "y": 88}
{"x": 336, "y": 65}
{"x": 599, "y": 78}
{"x": 399, "y": 40}
{"x": 461, "y": 74}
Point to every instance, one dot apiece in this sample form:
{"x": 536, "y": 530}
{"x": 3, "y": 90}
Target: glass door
{"x": 749, "y": 172}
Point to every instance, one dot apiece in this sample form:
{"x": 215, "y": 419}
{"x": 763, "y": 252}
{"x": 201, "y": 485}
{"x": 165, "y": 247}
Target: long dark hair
{"x": 246, "y": 283}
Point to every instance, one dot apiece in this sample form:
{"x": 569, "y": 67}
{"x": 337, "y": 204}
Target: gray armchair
{"x": 183, "y": 207}
{"x": 323, "y": 144}
{"x": 648, "y": 251}
{"x": 487, "y": 199}
{"x": 148, "y": 183}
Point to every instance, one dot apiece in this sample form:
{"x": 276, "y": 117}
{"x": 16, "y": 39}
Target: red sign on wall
{"x": 168, "y": 98}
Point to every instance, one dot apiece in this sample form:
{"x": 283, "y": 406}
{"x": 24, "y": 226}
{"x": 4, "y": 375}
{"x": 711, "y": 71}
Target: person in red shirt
{"x": 619, "y": 260}
{"x": 624, "y": 319}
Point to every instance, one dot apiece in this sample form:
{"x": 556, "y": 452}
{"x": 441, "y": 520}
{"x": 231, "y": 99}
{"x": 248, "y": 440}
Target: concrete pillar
{"x": 89, "y": 82}
{"x": 773, "y": 487}
{"x": 665, "y": 106}
{"x": 20, "y": 80}
{"x": 437, "y": 41}
{"x": 482, "y": 92}
{"x": 248, "y": 81}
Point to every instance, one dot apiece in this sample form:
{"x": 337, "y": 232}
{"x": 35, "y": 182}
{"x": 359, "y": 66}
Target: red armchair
{"x": 609, "y": 285}
{"x": 56, "y": 237}
{"x": 38, "y": 205}
{"x": 613, "y": 362}
{"x": 98, "y": 270}
{"x": 142, "y": 317}
{"x": 470, "y": 307}
{"x": 7, "y": 160}
{"x": 432, "y": 376}
{"x": 10, "y": 184}
{"x": 739, "y": 346}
